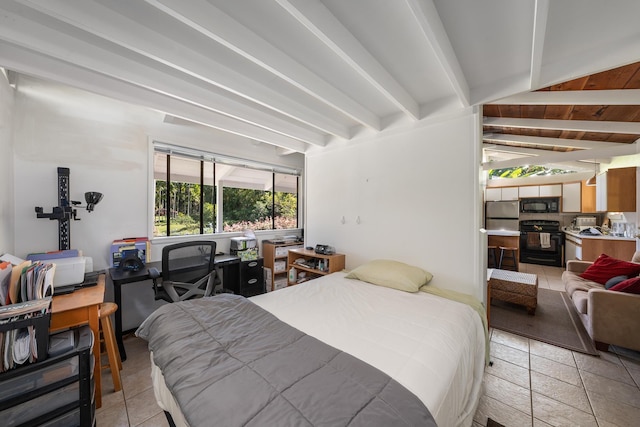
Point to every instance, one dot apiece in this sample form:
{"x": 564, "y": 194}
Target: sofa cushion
{"x": 606, "y": 267}
{"x": 614, "y": 281}
{"x": 631, "y": 286}
{"x": 573, "y": 282}
{"x": 580, "y": 301}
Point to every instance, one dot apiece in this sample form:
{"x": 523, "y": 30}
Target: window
{"x": 204, "y": 193}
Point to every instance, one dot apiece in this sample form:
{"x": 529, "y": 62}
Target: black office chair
{"x": 187, "y": 271}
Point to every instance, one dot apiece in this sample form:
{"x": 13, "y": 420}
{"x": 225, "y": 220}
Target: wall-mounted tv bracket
{"x": 64, "y": 212}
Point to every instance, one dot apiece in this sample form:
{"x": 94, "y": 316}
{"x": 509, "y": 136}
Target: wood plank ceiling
{"x": 586, "y": 125}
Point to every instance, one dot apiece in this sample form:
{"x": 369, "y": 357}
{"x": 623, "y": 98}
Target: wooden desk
{"x": 80, "y": 308}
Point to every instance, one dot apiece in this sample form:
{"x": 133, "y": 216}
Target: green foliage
{"x": 525, "y": 171}
{"x": 243, "y": 209}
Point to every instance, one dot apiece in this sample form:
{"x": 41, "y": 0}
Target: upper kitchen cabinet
{"x": 571, "y": 197}
{"x": 501, "y": 193}
{"x": 552, "y": 190}
{"x": 578, "y": 197}
{"x": 616, "y": 190}
{"x": 588, "y": 193}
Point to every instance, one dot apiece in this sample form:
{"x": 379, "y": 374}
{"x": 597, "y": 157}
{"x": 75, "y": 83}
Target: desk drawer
{"x": 252, "y": 277}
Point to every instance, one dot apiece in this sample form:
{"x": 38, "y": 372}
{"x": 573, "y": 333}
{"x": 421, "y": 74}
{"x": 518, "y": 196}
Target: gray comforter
{"x": 229, "y": 362}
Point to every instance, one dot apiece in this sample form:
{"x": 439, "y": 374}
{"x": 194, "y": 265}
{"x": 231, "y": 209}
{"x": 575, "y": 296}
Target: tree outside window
{"x": 196, "y": 196}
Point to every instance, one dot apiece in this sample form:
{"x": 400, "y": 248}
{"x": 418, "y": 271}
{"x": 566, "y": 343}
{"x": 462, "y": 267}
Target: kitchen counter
{"x": 576, "y": 234}
{"x": 502, "y": 233}
{"x": 588, "y": 247}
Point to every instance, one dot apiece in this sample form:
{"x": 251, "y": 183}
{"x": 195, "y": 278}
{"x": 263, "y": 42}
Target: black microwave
{"x": 540, "y": 205}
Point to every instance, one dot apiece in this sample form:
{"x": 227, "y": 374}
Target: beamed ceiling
{"x": 301, "y": 75}
{"x": 600, "y": 111}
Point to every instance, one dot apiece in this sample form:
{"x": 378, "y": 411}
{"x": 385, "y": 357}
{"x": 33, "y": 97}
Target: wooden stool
{"x": 510, "y": 256}
{"x": 113, "y": 356}
{"x": 491, "y": 257}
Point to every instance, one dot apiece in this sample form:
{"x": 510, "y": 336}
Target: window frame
{"x": 216, "y": 158}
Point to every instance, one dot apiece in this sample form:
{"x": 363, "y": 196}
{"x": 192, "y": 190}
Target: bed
{"x": 433, "y": 347}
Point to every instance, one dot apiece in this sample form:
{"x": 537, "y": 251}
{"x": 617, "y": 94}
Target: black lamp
{"x": 92, "y": 198}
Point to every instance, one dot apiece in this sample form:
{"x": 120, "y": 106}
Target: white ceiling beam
{"x": 36, "y": 64}
{"x": 574, "y": 97}
{"x": 318, "y": 20}
{"x": 537, "y": 43}
{"x": 583, "y": 144}
{"x": 435, "y": 35}
{"x": 567, "y": 125}
{"x": 173, "y": 52}
{"x": 508, "y": 153}
{"x": 168, "y": 82}
{"x": 559, "y": 157}
{"x": 217, "y": 25}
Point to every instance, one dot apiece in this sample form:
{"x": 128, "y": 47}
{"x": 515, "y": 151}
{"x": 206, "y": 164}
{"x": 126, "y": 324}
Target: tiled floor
{"x": 536, "y": 384}
{"x": 530, "y": 383}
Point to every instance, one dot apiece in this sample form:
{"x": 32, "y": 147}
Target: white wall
{"x": 106, "y": 145}
{"x": 7, "y": 237}
{"x": 416, "y": 191}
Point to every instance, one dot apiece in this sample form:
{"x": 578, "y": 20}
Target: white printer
{"x": 241, "y": 244}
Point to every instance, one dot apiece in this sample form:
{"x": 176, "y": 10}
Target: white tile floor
{"x": 536, "y": 384}
{"x": 530, "y": 383}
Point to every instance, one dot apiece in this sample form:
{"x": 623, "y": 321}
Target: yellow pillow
{"x": 391, "y": 274}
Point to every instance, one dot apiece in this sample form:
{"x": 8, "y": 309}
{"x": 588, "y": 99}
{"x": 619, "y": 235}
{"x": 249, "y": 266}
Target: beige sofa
{"x": 610, "y": 317}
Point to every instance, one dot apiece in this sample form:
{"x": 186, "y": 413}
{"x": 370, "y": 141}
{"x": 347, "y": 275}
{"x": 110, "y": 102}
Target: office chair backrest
{"x": 188, "y": 262}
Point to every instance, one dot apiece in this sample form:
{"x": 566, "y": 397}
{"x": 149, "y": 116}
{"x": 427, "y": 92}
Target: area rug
{"x": 492, "y": 423}
{"x": 556, "y": 321}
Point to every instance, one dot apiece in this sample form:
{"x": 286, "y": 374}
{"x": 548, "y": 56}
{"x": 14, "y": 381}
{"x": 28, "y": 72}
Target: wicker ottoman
{"x": 515, "y": 287}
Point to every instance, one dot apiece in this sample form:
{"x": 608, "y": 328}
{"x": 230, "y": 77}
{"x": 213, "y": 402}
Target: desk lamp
{"x": 66, "y": 209}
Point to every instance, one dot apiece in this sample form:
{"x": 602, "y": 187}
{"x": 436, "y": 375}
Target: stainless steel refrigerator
{"x": 502, "y": 215}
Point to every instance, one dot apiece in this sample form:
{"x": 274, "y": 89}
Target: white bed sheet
{"x": 433, "y": 346}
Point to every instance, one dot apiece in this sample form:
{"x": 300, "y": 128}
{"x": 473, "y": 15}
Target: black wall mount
{"x": 66, "y": 209}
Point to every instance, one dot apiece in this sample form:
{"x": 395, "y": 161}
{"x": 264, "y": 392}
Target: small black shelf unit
{"x": 58, "y": 391}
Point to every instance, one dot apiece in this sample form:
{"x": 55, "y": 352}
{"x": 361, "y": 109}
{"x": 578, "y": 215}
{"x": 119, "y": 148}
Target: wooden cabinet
{"x": 588, "y": 194}
{"x": 616, "y": 190}
{"x": 620, "y": 249}
{"x": 275, "y": 262}
{"x": 578, "y": 197}
{"x": 530, "y": 191}
{"x": 493, "y": 194}
{"x": 308, "y": 264}
{"x": 501, "y": 193}
{"x": 552, "y": 190}
{"x": 571, "y": 197}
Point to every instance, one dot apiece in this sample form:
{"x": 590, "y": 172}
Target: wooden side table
{"x": 333, "y": 263}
